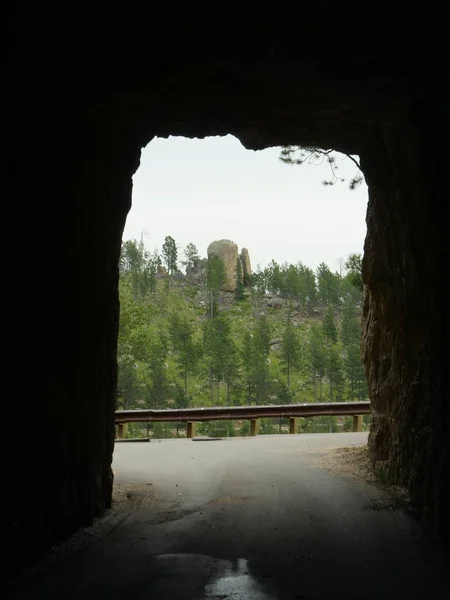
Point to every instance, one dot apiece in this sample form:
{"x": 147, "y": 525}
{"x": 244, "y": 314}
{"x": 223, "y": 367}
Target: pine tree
{"x": 290, "y": 352}
{"x": 215, "y": 279}
{"x": 254, "y": 359}
{"x": 191, "y": 256}
{"x": 170, "y": 254}
{"x": 329, "y": 327}
{"x": 334, "y": 371}
{"x": 308, "y": 287}
{"x": 262, "y": 333}
{"x": 220, "y": 353}
{"x": 353, "y": 368}
{"x": 174, "y": 326}
{"x": 329, "y": 286}
{"x": 189, "y": 352}
{"x": 316, "y": 358}
{"x": 350, "y": 326}
{"x": 138, "y": 267}
{"x": 354, "y": 266}
{"x": 158, "y": 390}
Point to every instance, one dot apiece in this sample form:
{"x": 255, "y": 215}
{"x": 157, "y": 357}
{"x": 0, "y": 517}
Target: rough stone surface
{"x": 71, "y": 152}
{"x": 246, "y": 265}
{"x": 276, "y": 302}
{"x": 227, "y": 251}
{"x": 197, "y": 272}
{"x": 404, "y": 321}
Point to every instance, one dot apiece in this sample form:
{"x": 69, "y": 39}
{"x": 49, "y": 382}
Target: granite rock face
{"x": 227, "y": 251}
{"x": 246, "y": 265}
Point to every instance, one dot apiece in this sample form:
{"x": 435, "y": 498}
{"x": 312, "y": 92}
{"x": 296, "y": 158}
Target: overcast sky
{"x": 204, "y": 190}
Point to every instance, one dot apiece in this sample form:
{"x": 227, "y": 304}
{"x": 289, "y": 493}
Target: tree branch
{"x": 354, "y": 160}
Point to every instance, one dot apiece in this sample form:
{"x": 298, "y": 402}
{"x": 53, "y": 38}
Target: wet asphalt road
{"x": 246, "y": 519}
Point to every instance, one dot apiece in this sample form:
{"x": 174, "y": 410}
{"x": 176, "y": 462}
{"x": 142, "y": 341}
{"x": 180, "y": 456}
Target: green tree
{"x": 262, "y": 333}
{"x": 355, "y": 372}
{"x": 329, "y": 327}
{"x": 328, "y": 285}
{"x": 189, "y": 352}
{"x": 138, "y": 267}
{"x": 181, "y": 401}
{"x": 292, "y": 282}
{"x": 254, "y": 360}
{"x": 353, "y": 265}
{"x": 248, "y": 364}
{"x": 275, "y": 279}
{"x": 239, "y": 292}
{"x": 230, "y": 367}
{"x": 259, "y": 284}
{"x": 307, "y": 287}
{"x": 127, "y": 383}
{"x": 215, "y": 279}
{"x": 174, "y": 325}
{"x": 290, "y": 352}
{"x": 170, "y": 254}
{"x": 136, "y": 315}
{"x": 191, "y": 256}
{"x": 317, "y": 359}
{"x": 181, "y": 397}
{"x": 333, "y": 368}
{"x": 353, "y": 368}
{"x": 220, "y": 354}
{"x": 350, "y": 326}
{"x": 350, "y": 292}
{"x": 158, "y": 390}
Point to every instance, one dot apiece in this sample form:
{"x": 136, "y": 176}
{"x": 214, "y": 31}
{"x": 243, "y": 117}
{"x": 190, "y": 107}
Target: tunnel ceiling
{"x": 322, "y": 73}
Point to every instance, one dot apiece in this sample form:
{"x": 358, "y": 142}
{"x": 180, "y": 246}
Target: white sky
{"x": 204, "y": 190}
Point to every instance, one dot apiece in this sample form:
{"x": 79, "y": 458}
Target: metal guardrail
{"x": 252, "y": 413}
{"x": 219, "y": 413}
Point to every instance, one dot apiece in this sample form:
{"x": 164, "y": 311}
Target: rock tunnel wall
{"x": 75, "y": 137}
{"x": 404, "y": 314}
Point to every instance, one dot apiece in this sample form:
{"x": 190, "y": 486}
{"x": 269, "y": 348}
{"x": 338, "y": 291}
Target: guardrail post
{"x": 254, "y": 426}
{"x": 357, "y": 422}
{"x": 122, "y": 430}
{"x": 294, "y": 423}
{"x": 191, "y": 429}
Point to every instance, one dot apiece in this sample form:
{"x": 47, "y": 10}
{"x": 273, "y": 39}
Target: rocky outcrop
{"x": 246, "y": 266}
{"x": 275, "y": 302}
{"x": 275, "y": 344}
{"x": 197, "y": 273}
{"x": 227, "y": 251}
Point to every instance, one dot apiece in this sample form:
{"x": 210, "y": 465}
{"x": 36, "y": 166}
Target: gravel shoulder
{"x": 354, "y": 463}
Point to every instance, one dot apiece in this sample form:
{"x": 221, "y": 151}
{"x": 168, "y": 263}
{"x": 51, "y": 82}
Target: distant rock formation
{"x": 227, "y": 251}
{"x": 246, "y": 266}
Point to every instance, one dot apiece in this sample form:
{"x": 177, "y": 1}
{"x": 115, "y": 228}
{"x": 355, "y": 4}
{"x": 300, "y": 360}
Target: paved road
{"x": 245, "y": 519}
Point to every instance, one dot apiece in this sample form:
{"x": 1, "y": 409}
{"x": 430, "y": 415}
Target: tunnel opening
{"x": 298, "y": 311}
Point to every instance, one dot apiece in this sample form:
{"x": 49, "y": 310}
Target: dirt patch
{"x": 350, "y": 462}
{"x": 354, "y": 463}
{"x": 131, "y": 497}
